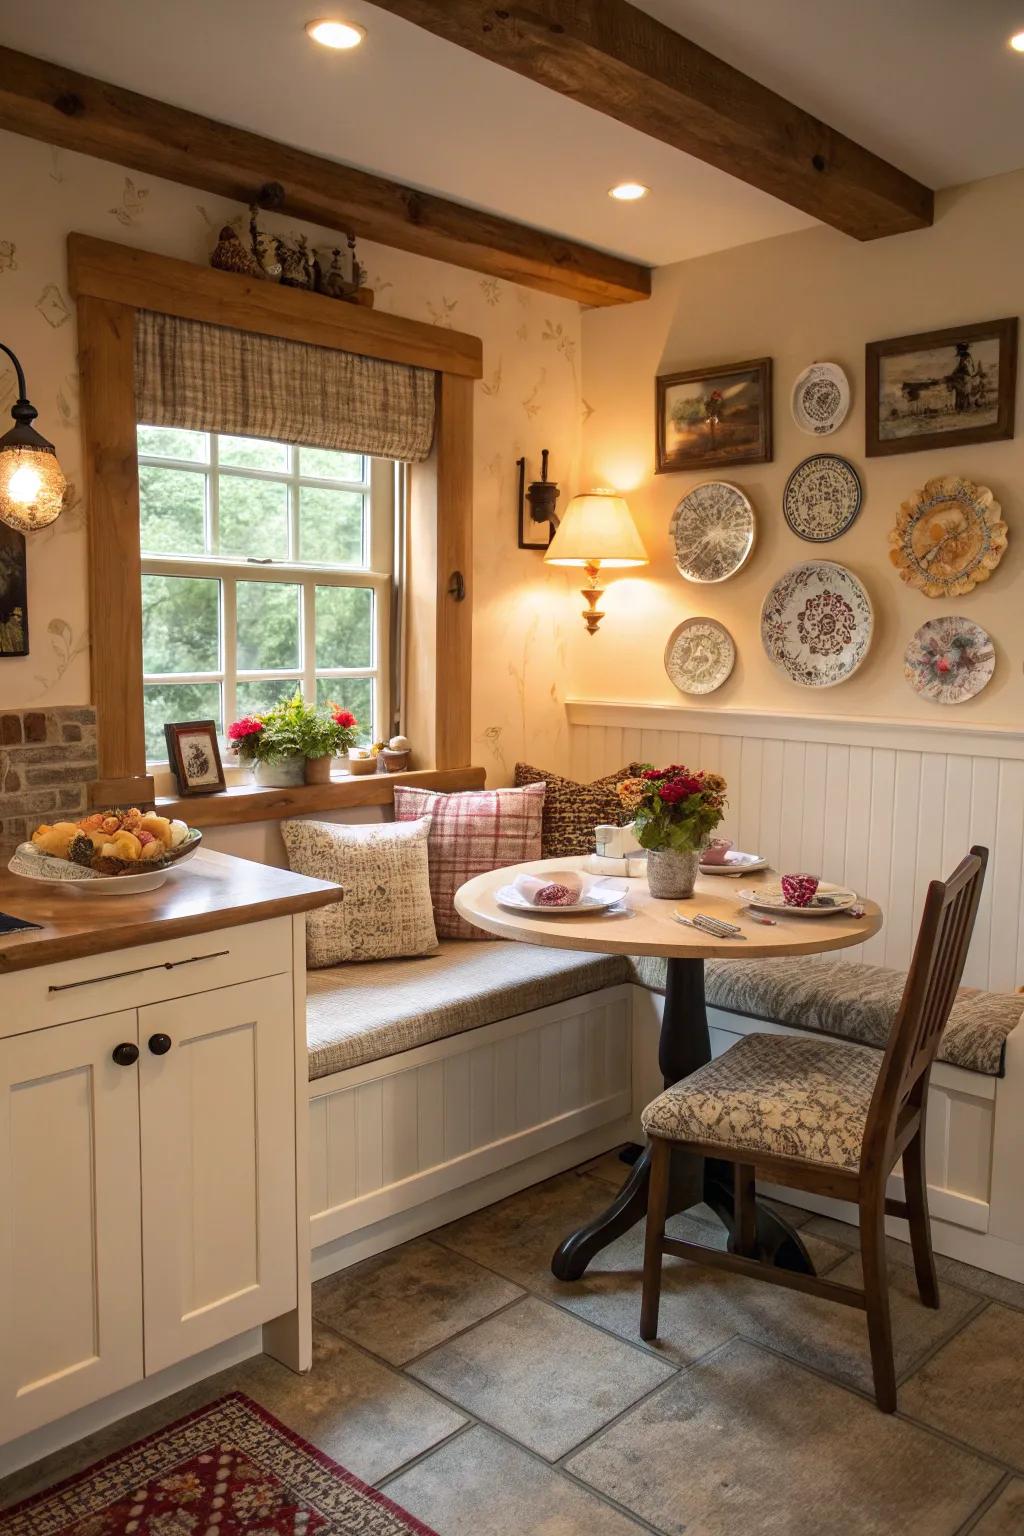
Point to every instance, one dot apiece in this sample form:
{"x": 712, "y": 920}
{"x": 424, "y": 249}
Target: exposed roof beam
{"x": 620, "y": 61}
{"x": 60, "y": 106}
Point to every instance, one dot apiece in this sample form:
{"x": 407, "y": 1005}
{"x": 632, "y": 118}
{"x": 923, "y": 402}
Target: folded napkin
{"x": 561, "y": 887}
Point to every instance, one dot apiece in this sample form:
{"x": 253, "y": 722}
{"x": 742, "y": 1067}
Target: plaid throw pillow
{"x": 470, "y": 833}
{"x": 572, "y": 810}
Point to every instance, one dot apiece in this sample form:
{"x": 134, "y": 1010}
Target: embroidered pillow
{"x": 470, "y": 833}
{"x": 385, "y": 907}
{"x": 572, "y": 810}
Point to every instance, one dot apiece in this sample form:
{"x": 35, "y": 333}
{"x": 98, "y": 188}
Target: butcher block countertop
{"x": 210, "y": 891}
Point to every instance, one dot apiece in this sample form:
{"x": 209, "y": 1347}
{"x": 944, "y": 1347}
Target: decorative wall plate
{"x": 699, "y": 656}
{"x": 948, "y": 537}
{"x": 712, "y": 530}
{"x": 949, "y": 660}
{"x": 822, "y": 497}
{"x": 816, "y": 624}
{"x": 821, "y": 399}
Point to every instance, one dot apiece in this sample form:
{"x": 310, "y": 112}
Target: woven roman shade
{"x": 211, "y": 378}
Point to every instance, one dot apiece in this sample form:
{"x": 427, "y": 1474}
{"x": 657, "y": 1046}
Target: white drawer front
{"x": 150, "y": 973}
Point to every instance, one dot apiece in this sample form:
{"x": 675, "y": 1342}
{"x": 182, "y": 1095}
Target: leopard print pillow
{"x": 573, "y": 810}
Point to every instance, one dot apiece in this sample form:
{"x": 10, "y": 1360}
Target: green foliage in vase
{"x": 294, "y": 728}
{"x": 674, "y": 808}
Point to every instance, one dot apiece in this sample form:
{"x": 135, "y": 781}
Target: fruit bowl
{"x": 107, "y": 875}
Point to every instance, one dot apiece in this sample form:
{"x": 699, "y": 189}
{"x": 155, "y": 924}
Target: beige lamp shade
{"x": 597, "y": 529}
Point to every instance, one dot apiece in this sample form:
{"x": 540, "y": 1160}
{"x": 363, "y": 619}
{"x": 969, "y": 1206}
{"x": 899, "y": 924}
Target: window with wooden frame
{"x": 266, "y": 568}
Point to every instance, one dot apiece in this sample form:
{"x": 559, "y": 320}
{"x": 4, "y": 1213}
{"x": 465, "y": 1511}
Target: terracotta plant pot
{"x": 671, "y": 875}
{"x": 318, "y": 769}
{"x": 395, "y": 762}
{"x": 361, "y": 764}
{"x": 282, "y": 773}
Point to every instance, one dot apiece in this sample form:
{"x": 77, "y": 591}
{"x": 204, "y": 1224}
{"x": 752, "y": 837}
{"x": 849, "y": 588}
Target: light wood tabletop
{"x": 649, "y": 926}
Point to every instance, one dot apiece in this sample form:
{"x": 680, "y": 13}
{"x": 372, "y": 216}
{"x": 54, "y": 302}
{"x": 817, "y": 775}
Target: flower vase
{"x": 318, "y": 769}
{"x": 281, "y": 773}
{"x": 671, "y": 874}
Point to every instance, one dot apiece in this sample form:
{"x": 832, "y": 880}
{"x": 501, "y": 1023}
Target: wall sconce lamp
{"x": 597, "y": 532}
{"x": 536, "y": 502}
{"x": 32, "y": 485}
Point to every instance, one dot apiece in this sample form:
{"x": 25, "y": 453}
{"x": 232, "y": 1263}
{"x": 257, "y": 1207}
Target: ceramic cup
{"x": 716, "y": 851}
{"x": 799, "y": 890}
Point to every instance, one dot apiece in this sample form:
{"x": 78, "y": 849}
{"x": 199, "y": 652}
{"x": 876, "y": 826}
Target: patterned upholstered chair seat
{"x": 784, "y": 1095}
{"x": 858, "y": 1002}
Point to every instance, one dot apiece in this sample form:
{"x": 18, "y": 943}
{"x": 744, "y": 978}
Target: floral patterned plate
{"x": 699, "y": 656}
{"x": 821, "y": 399}
{"x": 949, "y": 660}
{"x": 712, "y": 530}
{"x": 822, "y": 497}
{"x": 816, "y": 624}
{"x": 948, "y": 537}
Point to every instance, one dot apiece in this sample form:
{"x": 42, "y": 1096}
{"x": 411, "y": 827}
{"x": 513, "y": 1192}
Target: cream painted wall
{"x": 529, "y": 399}
{"x": 800, "y": 298}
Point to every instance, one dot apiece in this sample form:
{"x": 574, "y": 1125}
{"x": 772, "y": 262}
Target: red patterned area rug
{"x": 229, "y": 1470}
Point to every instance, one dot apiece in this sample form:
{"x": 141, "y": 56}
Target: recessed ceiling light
{"x": 335, "y": 34}
{"x": 1017, "y": 42}
{"x": 628, "y": 191}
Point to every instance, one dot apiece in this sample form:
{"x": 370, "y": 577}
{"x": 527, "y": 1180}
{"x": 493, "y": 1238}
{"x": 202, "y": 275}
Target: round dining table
{"x": 642, "y": 924}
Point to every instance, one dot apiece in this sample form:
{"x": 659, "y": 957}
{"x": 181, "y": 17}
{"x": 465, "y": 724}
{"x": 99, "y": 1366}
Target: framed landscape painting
{"x": 941, "y": 389}
{"x": 13, "y": 593}
{"x": 713, "y": 418}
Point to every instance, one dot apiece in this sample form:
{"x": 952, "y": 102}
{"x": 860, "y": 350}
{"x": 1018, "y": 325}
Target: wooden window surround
{"x": 110, "y": 283}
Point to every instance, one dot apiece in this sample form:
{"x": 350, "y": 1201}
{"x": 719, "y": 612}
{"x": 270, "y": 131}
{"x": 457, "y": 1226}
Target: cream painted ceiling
{"x": 929, "y": 84}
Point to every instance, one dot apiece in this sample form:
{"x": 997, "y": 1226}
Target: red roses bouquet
{"x": 674, "y": 808}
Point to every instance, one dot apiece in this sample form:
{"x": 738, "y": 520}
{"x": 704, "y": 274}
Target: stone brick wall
{"x": 47, "y": 761}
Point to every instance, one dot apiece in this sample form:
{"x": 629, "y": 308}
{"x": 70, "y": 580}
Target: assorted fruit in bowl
{"x": 108, "y": 843}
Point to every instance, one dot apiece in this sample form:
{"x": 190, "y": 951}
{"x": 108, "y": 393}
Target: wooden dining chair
{"x": 828, "y": 1117}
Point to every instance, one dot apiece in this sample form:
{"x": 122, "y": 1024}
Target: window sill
{"x": 245, "y": 803}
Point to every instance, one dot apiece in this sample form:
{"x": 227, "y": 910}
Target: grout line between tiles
{"x": 414, "y": 1461}
{"x": 965, "y": 1322}
{"x": 986, "y": 1504}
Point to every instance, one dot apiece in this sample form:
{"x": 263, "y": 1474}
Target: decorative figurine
{"x": 262, "y": 248}
{"x": 230, "y": 255}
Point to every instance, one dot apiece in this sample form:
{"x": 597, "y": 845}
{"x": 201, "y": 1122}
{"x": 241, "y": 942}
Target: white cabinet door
{"x": 70, "y": 1220}
{"x": 218, "y": 1166}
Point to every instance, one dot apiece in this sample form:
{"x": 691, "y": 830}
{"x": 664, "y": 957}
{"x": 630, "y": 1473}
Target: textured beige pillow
{"x": 385, "y": 910}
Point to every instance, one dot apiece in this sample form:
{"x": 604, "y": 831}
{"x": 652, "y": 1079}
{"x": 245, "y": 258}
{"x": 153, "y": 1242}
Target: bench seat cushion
{"x": 849, "y": 999}
{"x": 361, "y": 1013}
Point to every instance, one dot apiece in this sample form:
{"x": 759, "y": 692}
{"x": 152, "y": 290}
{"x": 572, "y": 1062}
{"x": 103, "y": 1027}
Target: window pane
{"x": 180, "y": 624}
{"x": 253, "y": 518}
{"x": 172, "y": 505}
{"x": 344, "y": 627}
{"x": 326, "y": 464}
{"x": 168, "y": 703}
{"x": 254, "y": 698}
{"x": 173, "y": 443}
{"x": 252, "y": 453}
{"x": 268, "y": 625}
{"x": 354, "y": 693}
{"x": 330, "y": 526}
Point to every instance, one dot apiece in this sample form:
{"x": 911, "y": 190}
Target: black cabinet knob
{"x": 126, "y": 1054}
{"x": 160, "y": 1044}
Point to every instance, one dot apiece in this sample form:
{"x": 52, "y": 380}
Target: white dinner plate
{"x": 736, "y": 863}
{"x": 771, "y": 899}
{"x": 598, "y": 899}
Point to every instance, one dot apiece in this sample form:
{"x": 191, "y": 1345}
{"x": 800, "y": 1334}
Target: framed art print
{"x": 713, "y": 418}
{"x": 941, "y": 389}
{"x": 13, "y": 593}
{"x": 194, "y": 756}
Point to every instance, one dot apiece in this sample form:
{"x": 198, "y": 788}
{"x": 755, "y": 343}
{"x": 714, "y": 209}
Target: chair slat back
{"x": 936, "y": 969}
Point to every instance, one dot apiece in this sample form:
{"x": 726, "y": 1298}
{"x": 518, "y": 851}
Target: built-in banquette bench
{"x": 441, "y": 1083}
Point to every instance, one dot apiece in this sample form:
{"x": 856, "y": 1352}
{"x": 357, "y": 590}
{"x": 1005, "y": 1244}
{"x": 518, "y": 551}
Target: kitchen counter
{"x": 210, "y": 891}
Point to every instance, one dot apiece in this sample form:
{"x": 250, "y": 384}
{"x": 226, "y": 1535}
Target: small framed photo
{"x": 13, "y": 593}
{"x": 714, "y": 418}
{"x": 194, "y": 755}
{"x": 941, "y": 389}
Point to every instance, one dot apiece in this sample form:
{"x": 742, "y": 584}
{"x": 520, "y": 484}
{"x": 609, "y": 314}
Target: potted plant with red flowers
{"x": 674, "y": 813}
{"x": 294, "y": 742}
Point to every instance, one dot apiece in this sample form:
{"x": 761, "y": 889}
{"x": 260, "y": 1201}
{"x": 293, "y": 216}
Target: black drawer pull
{"x": 126, "y": 1054}
{"x": 164, "y": 965}
{"x": 160, "y": 1044}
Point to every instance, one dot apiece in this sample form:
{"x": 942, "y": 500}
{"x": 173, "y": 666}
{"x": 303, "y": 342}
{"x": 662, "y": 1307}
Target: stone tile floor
{"x": 489, "y": 1399}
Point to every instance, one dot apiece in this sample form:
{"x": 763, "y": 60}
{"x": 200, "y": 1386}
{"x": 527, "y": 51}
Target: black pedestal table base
{"x": 684, "y": 1046}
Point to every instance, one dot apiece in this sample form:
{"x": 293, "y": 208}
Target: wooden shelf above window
{"x": 246, "y": 803}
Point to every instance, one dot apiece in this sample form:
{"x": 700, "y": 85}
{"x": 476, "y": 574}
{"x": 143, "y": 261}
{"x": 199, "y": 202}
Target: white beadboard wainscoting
{"x": 881, "y": 805}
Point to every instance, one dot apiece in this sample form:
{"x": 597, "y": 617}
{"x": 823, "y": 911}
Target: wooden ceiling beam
{"x": 620, "y": 61}
{"x": 46, "y": 101}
